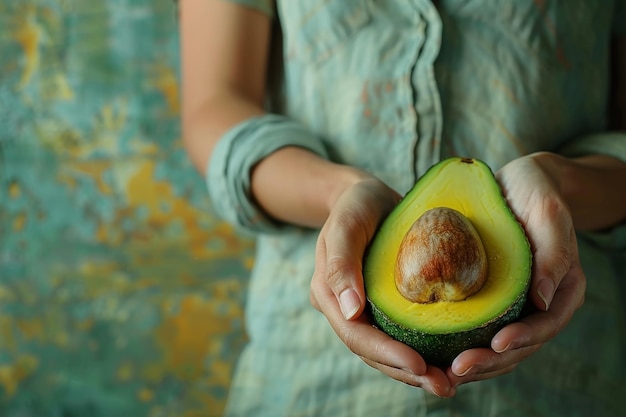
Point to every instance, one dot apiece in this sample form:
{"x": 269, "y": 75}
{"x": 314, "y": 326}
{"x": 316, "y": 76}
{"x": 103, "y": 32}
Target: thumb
{"x": 343, "y": 280}
{"x": 345, "y": 246}
{"x": 551, "y": 236}
{"x": 353, "y": 222}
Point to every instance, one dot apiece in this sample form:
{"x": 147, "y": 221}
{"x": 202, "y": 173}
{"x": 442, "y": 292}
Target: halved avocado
{"x": 440, "y": 329}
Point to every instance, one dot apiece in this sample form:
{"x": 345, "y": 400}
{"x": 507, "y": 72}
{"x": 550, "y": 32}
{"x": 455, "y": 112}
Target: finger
{"x": 434, "y": 380}
{"x": 542, "y": 326}
{"x": 485, "y": 360}
{"x": 319, "y": 271}
{"x": 456, "y": 380}
{"x": 345, "y": 241}
{"x": 547, "y": 222}
{"x": 365, "y": 340}
{"x": 481, "y": 364}
{"x": 550, "y": 232}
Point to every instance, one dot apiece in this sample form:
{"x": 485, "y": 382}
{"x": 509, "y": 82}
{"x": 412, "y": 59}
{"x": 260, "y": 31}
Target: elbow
{"x": 197, "y": 137}
{"x": 205, "y": 123}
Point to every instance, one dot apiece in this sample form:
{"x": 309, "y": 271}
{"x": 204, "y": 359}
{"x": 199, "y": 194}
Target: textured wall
{"x": 120, "y": 293}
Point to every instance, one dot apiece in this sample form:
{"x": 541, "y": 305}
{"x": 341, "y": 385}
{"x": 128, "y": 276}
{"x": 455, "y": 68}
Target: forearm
{"x": 291, "y": 185}
{"x": 592, "y": 186}
{"x": 297, "y": 186}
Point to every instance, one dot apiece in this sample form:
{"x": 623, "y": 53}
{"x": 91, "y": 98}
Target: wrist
{"x": 589, "y": 187}
{"x": 293, "y": 185}
{"x": 561, "y": 171}
{"x": 344, "y": 177}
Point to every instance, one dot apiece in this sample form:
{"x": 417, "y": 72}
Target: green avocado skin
{"x": 441, "y": 349}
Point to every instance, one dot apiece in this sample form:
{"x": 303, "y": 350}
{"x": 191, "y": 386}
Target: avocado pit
{"x": 441, "y": 258}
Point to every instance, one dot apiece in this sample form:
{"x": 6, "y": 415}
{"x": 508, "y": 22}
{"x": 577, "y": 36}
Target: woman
{"x": 370, "y": 95}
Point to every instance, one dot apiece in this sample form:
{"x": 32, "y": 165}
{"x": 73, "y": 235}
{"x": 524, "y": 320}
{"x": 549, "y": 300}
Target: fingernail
{"x": 546, "y": 291}
{"x": 441, "y": 392}
{"x": 468, "y": 371}
{"x": 349, "y": 302}
{"x": 510, "y": 346}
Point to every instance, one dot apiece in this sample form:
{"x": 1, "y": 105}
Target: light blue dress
{"x": 393, "y": 87}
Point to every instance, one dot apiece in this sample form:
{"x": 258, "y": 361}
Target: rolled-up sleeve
{"x": 237, "y": 152}
{"x": 610, "y": 144}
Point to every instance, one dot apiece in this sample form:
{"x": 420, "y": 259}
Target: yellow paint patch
{"x": 85, "y": 325}
{"x": 248, "y": 262}
{"x": 32, "y": 329}
{"x": 112, "y": 118}
{"x": 158, "y": 412}
{"x": 145, "y": 395}
{"x": 220, "y": 373}
{"x": 57, "y": 87}
{"x": 164, "y": 79}
{"x": 7, "y": 333}
{"x": 165, "y": 207}
{"x": 211, "y": 405}
{"x": 19, "y": 222}
{"x": 11, "y": 376}
{"x": 15, "y": 191}
{"x": 57, "y": 136}
{"x": 206, "y": 401}
{"x": 144, "y": 190}
{"x": 152, "y": 372}
{"x": 187, "y": 337}
{"x": 61, "y": 339}
{"x": 97, "y": 268}
{"x": 95, "y": 170}
{"x": 29, "y": 37}
{"x": 67, "y": 180}
{"x": 125, "y": 372}
{"x": 6, "y": 294}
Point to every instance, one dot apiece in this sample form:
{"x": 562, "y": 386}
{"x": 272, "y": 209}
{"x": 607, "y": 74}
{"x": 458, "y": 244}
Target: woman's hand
{"x": 558, "y": 283}
{"x": 337, "y": 286}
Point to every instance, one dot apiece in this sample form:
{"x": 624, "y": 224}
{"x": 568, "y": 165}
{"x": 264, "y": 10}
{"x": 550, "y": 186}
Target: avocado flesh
{"x": 441, "y": 330}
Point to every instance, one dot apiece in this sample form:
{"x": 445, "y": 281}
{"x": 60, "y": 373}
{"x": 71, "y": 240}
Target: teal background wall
{"x": 120, "y": 293}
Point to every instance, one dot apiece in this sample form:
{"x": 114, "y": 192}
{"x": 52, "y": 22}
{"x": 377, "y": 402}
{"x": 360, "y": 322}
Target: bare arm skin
{"x": 224, "y": 51}
{"x": 592, "y": 187}
{"x": 223, "y": 54}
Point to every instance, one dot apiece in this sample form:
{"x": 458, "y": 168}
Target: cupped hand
{"x": 558, "y": 283}
{"x": 337, "y": 286}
